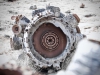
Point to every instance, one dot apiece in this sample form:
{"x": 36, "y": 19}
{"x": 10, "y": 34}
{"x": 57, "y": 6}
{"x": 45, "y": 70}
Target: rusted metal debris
{"x": 82, "y": 5}
{"x": 48, "y": 38}
{"x": 9, "y": 72}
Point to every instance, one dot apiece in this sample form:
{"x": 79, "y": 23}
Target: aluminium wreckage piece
{"x": 48, "y": 38}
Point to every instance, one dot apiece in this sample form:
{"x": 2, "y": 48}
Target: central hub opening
{"x": 50, "y": 40}
{"x": 16, "y": 28}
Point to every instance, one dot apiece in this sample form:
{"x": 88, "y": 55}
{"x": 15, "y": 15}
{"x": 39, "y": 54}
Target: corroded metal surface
{"x": 77, "y": 18}
{"x": 49, "y": 40}
{"x": 16, "y": 29}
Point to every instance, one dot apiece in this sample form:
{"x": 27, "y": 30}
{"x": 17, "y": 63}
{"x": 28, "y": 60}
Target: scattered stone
{"x": 6, "y": 36}
{"x": 12, "y": 12}
{"x": 33, "y": 7}
{"x": 89, "y": 15}
{"x": 1, "y": 53}
{"x": 16, "y": 12}
{"x": 87, "y": 28}
{"x": 72, "y": 9}
{"x": 11, "y": 0}
{"x": 68, "y": 11}
{"x": 82, "y": 5}
{"x": 1, "y": 29}
{"x": 96, "y": 28}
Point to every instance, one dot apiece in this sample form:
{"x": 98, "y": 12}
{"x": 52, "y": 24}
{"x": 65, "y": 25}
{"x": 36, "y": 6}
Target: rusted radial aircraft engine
{"x": 48, "y": 38}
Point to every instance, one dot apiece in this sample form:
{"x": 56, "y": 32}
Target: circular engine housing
{"x": 50, "y": 37}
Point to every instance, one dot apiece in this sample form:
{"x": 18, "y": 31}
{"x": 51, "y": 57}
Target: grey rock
{"x": 1, "y": 29}
{"x": 6, "y": 36}
{"x": 33, "y": 7}
{"x": 89, "y": 15}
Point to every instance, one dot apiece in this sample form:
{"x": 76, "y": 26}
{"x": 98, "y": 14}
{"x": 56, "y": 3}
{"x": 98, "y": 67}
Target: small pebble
{"x": 12, "y": 12}
{"x": 89, "y": 15}
{"x": 11, "y": 0}
{"x": 33, "y": 7}
{"x": 82, "y": 5}
{"x": 7, "y": 36}
{"x": 68, "y": 11}
{"x": 1, "y": 29}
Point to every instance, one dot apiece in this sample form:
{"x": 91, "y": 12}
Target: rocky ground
{"x": 87, "y": 10}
